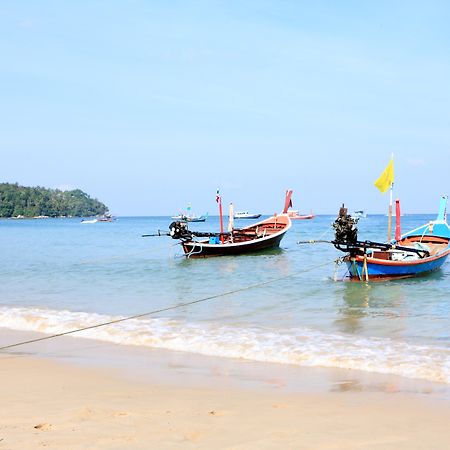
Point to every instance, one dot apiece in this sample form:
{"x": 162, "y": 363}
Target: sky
{"x": 152, "y": 105}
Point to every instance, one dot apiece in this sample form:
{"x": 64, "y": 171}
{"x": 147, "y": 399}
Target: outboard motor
{"x": 179, "y": 230}
{"x": 346, "y": 232}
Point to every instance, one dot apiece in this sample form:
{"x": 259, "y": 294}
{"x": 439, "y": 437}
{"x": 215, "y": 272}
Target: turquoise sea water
{"x": 60, "y": 274}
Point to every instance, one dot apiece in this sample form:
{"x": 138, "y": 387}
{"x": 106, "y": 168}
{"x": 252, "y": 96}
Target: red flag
{"x": 217, "y": 196}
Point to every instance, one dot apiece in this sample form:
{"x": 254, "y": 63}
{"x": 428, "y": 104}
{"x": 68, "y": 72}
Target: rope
{"x": 330, "y": 227}
{"x": 319, "y": 240}
{"x": 314, "y": 241}
{"x": 192, "y": 252}
{"x": 169, "y": 308}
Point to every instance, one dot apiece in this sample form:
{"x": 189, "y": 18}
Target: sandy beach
{"x": 56, "y": 397}
{"x": 224, "y": 225}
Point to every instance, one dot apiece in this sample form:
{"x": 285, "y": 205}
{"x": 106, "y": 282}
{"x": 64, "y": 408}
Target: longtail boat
{"x": 417, "y": 252}
{"x": 260, "y": 236}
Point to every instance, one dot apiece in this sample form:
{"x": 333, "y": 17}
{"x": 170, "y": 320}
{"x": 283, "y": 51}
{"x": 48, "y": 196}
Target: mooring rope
{"x": 168, "y": 308}
{"x": 315, "y": 241}
{"x": 320, "y": 238}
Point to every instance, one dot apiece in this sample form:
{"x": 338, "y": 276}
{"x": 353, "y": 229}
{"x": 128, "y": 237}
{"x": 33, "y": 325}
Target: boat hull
{"x": 204, "y": 249}
{"x": 197, "y": 219}
{"x": 377, "y": 269}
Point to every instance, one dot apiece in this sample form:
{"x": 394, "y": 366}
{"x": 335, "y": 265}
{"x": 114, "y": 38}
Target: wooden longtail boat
{"x": 407, "y": 258}
{"x": 420, "y": 251}
{"x": 260, "y": 236}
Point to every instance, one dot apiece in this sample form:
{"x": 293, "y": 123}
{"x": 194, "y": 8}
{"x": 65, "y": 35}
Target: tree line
{"x": 24, "y": 201}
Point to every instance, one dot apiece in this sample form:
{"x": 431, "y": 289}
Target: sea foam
{"x": 299, "y": 346}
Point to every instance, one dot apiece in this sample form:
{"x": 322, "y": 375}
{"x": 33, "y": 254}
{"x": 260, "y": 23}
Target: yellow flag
{"x": 386, "y": 178}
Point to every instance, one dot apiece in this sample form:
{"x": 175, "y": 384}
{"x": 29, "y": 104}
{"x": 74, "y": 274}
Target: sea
{"x": 291, "y": 306}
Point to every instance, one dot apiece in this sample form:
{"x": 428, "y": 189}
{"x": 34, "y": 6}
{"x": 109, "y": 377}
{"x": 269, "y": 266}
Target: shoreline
{"x": 76, "y": 393}
{"x": 169, "y": 367}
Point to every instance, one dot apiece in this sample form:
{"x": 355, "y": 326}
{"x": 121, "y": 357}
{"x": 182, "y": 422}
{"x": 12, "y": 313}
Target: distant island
{"x": 20, "y": 202}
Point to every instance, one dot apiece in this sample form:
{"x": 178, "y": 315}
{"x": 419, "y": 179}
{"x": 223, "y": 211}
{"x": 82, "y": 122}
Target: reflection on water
{"x": 364, "y": 304}
{"x": 355, "y": 301}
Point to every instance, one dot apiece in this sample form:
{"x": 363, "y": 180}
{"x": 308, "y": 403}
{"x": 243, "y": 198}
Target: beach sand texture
{"x": 47, "y": 404}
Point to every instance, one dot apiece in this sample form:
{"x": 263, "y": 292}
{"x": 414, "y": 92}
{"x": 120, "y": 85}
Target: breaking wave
{"x": 298, "y": 346}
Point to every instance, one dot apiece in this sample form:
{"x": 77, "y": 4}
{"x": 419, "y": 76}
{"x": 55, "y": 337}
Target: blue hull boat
{"x": 394, "y": 263}
{"x": 418, "y": 252}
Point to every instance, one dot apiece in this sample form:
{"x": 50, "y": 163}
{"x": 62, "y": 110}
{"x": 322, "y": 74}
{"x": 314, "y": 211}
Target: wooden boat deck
{"x": 251, "y": 233}
{"x": 434, "y": 244}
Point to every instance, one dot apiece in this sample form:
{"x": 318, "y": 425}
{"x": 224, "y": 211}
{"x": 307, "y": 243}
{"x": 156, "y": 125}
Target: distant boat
{"x": 418, "y": 252}
{"x": 189, "y": 216}
{"x": 106, "y": 218}
{"x": 103, "y": 218}
{"x": 246, "y": 215}
{"x": 293, "y": 213}
{"x": 359, "y": 214}
{"x": 196, "y": 219}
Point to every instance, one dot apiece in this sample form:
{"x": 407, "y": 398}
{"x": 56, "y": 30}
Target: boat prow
{"x": 293, "y": 213}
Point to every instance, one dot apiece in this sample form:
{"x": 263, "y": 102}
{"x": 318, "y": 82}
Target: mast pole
{"x": 221, "y": 218}
{"x": 398, "y": 232}
{"x": 390, "y": 213}
{"x": 230, "y": 217}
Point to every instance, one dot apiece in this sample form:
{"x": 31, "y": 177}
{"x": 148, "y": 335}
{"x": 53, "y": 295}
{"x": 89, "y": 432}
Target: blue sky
{"x": 151, "y": 105}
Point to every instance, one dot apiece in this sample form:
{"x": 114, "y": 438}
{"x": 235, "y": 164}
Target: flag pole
{"x": 390, "y": 205}
{"x": 384, "y": 182}
{"x": 390, "y": 212}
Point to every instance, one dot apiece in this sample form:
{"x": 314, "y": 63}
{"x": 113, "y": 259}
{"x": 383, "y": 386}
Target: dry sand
{"x": 56, "y": 405}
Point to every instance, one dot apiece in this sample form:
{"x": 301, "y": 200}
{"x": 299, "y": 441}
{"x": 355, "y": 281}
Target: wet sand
{"x": 77, "y": 394}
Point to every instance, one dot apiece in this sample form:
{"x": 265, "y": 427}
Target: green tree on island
{"x": 24, "y": 201}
